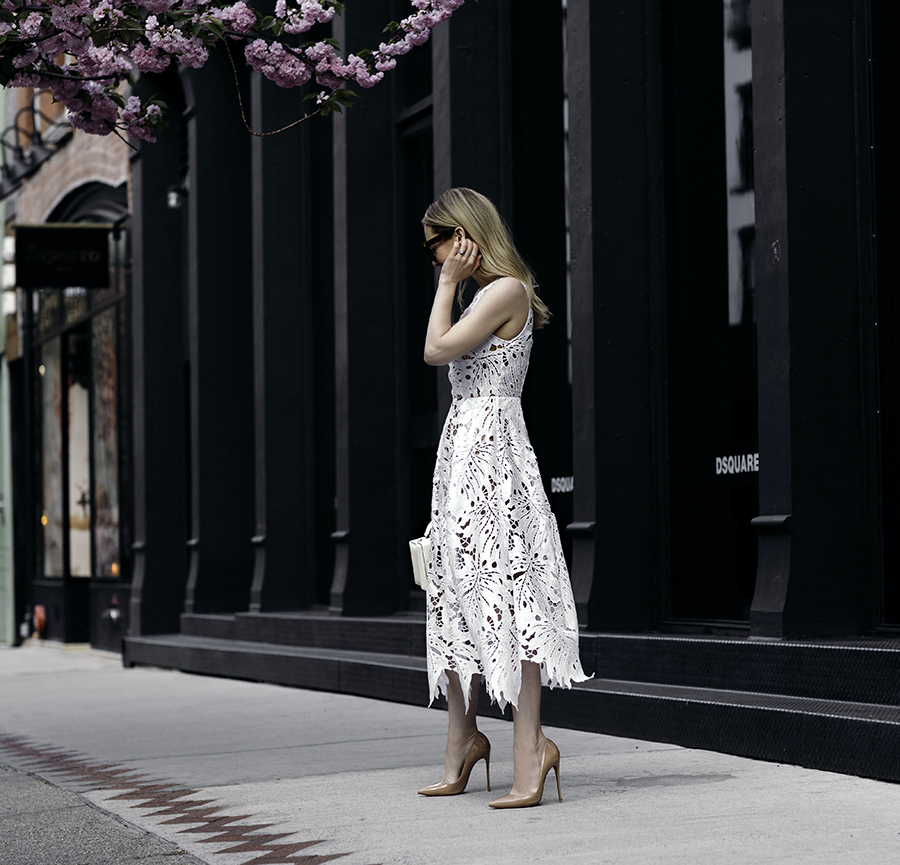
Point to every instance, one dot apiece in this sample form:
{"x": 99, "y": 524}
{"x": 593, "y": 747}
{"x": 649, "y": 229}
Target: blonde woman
{"x": 500, "y": 606}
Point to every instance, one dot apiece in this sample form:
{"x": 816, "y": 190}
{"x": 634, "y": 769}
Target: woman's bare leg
{"x": 528, "y": 737}
{"x": 461, "y": 724}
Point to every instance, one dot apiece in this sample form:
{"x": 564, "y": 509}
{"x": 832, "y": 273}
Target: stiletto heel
{"x": 549, "y": 760}
{"x": 480, "y": 749}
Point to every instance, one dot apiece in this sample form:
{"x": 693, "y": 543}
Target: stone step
{"x": 858, "y": 670}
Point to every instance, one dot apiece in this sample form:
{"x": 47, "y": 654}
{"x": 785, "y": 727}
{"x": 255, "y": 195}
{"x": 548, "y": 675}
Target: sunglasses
{"x": 432, "y": 242}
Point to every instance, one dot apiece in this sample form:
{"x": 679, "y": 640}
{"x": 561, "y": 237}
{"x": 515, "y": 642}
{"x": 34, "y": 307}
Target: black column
{"x": 815, "y": 570}
{"x": 157, "y": 306}
{"x": 472, "y": 107}
{"x": 615, "y": 216}
{"x": 367, "y": 575}
{"x": 538, "y": 220}
{"x": 221, "y": 343}
{"x": 283, "y": 291}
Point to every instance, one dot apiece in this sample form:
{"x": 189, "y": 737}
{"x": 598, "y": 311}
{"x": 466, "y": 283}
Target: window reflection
{"x": 51, "y": 528}
{"x": 106, "y": 452}
{"x": 79, "y": 335}
{"x": 79, "y": 374}
{"x": 737, "y": 23}
{"x": 739, "y": 157}
{"x": 75, "y": 301}
{"x": 49, "y": 305}
{"x": 118, "y": 240}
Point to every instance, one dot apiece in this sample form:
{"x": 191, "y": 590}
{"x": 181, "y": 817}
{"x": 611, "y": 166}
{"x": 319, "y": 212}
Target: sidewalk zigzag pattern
{"x": 170, "y": 800}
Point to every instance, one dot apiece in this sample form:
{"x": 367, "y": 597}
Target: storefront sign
{"x": 737, "y": 464}
{"x": 62, "y": 255}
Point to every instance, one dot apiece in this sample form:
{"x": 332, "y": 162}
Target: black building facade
{"x": 705, "y": 191}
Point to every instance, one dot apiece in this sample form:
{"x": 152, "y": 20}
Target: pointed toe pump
{"x": 549, "y": 761}
{"x": 480, "y": 749}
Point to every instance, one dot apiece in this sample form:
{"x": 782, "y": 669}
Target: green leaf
{"x": 100, "y": 38}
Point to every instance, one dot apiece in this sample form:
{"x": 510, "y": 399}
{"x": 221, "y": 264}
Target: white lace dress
{"x": 498, "y": 586}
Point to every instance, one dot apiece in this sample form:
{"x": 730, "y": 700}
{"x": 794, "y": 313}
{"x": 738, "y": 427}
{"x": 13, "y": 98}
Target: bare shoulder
{"x": 509, "y": 299}
{"x": 507, "y": 292}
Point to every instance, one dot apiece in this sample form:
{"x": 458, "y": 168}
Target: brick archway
{"x": 85, "y": 159}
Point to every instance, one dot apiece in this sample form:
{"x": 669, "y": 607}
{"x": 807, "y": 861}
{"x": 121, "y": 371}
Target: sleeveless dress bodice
{"x": 497, "y": 367}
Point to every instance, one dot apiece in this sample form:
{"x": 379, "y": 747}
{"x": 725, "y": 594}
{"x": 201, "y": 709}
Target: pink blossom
{"x": 239, "y": 17}
{"x": 97, "y": 62}
{"x": 278, "y": 65}
{"x": 158, "y": 6}
{"x": 31, "y": 26}
{"x": 299, "y": 19}
{"x": 149, "y": 59}
{"x": 132, "y": 110}
{"x": 98, "y": 114}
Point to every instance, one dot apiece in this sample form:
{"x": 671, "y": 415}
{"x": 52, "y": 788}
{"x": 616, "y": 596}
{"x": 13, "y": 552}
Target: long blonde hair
{"x": 479, "y": 218}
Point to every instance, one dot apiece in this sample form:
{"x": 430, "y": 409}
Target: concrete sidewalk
{"x": 146, "y": 764}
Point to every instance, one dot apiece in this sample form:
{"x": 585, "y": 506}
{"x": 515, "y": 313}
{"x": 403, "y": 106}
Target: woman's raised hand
{"x": 462, "y": 262}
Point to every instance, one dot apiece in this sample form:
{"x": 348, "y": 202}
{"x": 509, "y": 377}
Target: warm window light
{"x": 175, "y": 197}
{"x": 43, "y": 519}
{"x": 114, "y": 569}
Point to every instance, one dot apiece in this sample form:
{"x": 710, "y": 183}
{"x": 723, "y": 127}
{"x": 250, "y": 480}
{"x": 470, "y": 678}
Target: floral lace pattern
{"x": 498, "y": 586}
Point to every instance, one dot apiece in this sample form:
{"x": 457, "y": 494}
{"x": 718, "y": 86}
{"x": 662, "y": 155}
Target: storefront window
{"x": 106, "y": 451}
{"x": 117, "y": 268}
{"x": 77, "y": 398}
{"x": 51, "y": 529}
{"x": 75, "y": 302}
{"x": 49, "y": 304}
{"x": 713, "y": 452}
{"x": 885, "y": 153}
{"x": 78, "y": 363}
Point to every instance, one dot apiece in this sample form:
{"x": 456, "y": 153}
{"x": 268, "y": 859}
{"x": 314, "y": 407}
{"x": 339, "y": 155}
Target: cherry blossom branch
{"x": 107, "y": 44}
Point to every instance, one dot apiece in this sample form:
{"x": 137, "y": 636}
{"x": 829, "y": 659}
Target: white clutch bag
{"x": 420, "y": 551}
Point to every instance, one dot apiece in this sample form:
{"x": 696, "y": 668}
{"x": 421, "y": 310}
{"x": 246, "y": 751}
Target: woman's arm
{"x": 446, "y": 341}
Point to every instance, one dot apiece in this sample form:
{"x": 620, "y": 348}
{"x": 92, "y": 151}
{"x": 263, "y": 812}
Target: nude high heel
{"x": 550, "y": 760}
{"x": 480, "y": 749}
